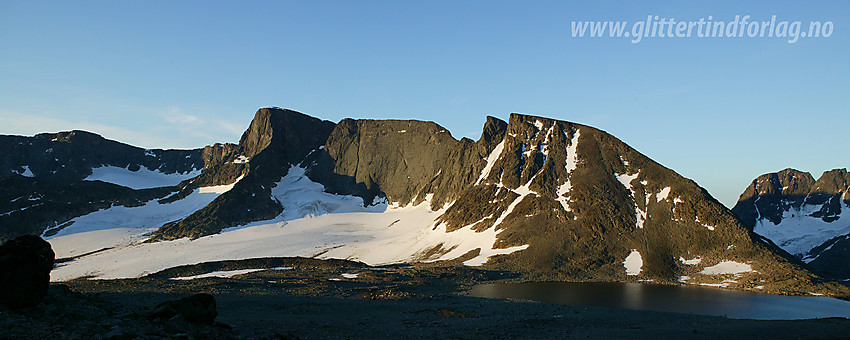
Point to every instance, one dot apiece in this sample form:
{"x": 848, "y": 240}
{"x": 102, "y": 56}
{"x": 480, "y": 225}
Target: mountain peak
{"x": 805, "y": 217}
{"x": 283, "y": 127}
{"x": 832, "y": 182}
{"x": 493, "y": 133}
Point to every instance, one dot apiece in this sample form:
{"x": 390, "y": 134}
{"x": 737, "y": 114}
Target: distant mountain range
{"x": 806, "y": 217}
{"x": 548, "y": 199}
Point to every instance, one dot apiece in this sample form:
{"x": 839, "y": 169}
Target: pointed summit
{"x": 287, "y": 131}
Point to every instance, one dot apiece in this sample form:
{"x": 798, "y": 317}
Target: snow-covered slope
{"x": 141, "y": 179}
{"x": 809, "y": 219}
{"x": 314, "y": 224}
{"x": 799, "y": 232}
{"x": 120, "y": 225}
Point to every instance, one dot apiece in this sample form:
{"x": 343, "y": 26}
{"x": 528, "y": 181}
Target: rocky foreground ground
{"x": 311, "y": 299}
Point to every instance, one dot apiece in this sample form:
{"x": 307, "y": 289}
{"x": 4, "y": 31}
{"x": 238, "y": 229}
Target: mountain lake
{"x": 667, "y": 298}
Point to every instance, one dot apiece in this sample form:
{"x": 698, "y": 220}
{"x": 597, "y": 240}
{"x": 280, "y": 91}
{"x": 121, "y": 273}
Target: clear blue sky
{"x": 183, "y": 74}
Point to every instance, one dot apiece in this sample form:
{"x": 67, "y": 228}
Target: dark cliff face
{"x": 72, "y": 155}
{"x": 403, "y": 161}
{"x": 831, "y": 191}
{"x": 289, "y": 134}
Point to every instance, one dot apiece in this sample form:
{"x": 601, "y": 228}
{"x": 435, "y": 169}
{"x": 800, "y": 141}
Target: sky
{"x": 184, "y": 74}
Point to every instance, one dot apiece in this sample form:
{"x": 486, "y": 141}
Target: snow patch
{"x": 709, "y": 227}
{"x": 538, "y": 124}
{"x": 491, "y": 160}
{"x": 300, "y": 197}
{"x": 810, "y": 258}
{"x": 227, "y": 273}
{"x": 26, "y": 172}
{"x": 21, "y": 209}
{"x": 240, "y": 160}
{"x": 727, "y": 267}
{"x": 662, "y": 195}
{"x": 723, "y": 284}
{"x": 691, "y": 262}
{"x": 570, "y": 165}
{"x": 626, "y": 180}
{"x": 633, "y": 263}
{"x": 219, "y": 189}
{"x": 142, "y": 179}
{"x": 349, "y": 275}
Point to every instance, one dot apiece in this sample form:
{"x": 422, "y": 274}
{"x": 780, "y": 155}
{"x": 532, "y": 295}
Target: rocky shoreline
{"x": 313, "y": 299}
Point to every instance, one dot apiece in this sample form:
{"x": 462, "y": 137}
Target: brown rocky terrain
{"x": 393, "y": 302}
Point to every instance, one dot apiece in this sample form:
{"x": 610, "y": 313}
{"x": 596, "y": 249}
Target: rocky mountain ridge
{"x": 549, "y": 199}
{"x": 808, "y": 218}
{"x": 51, "y": 178}
{"x": 72, "y": 156}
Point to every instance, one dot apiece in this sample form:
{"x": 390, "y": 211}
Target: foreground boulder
{"x": 25, "y": 264}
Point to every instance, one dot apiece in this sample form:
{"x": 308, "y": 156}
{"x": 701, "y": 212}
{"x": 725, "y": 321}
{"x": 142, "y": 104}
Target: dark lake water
{"x": 678, "y": 299}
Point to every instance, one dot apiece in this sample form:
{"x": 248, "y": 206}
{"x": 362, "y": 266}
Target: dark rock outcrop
{"x": 25, "y": 264}
{"x": 401, "y": 160}
{"x": 832, "y": 258}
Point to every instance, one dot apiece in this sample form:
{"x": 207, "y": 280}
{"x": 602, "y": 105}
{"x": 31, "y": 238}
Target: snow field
{"x": 314, "y": 224}
{"x": 121, "y": 226}
{"x": 142, "y": 179}
{"x": 798, "y": 233}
